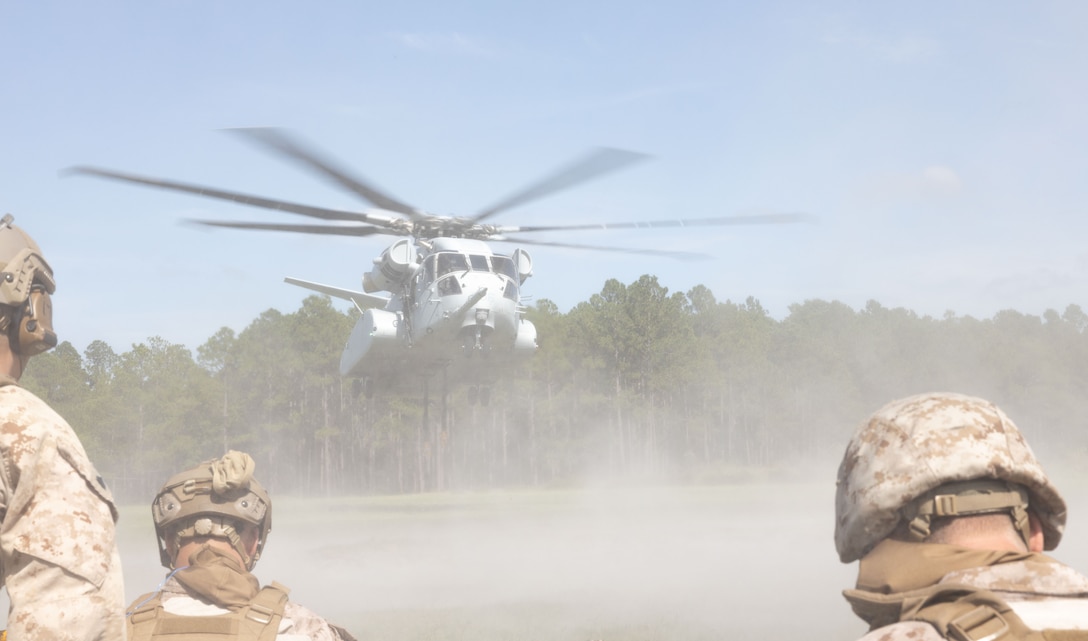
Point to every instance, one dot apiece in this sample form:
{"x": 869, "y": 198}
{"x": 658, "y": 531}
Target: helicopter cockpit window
{"x": 510, "y": 292}
{"x": 448, "y": 286}
{"x": 451, "y": 262}
{"x": 479, "y": 263}
{"x": 505, "y": 266}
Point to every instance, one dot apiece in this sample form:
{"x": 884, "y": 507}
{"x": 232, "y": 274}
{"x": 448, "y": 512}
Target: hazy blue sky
{"x": 943, "y": 145}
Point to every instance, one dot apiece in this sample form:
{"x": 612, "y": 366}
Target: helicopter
{"x": 451, "y": 303}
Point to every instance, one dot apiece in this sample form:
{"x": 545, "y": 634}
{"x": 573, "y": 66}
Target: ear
{"x": 1037, "y": 541}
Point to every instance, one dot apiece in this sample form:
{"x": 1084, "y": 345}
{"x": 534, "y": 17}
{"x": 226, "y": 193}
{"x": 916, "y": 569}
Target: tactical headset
{"x": 35, "y": 325}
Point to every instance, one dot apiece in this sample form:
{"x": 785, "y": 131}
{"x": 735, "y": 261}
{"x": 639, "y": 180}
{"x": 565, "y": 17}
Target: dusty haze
{"x": 750, "y": 561}
{"x": 747, "y": 561}
{"x": 631, "y": 563}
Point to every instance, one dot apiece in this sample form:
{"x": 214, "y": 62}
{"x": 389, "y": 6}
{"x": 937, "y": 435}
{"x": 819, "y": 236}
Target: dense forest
{"x": 634, "y": 383}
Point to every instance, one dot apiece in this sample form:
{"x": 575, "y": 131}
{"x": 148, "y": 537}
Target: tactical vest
{"x": 257, "y": 621}
{"x": 960, "y": 612}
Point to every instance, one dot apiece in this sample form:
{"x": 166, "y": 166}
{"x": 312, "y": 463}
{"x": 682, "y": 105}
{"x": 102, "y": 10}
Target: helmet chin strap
{"x": 968, "y": 498}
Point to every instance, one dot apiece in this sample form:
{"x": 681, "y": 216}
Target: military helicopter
{"x": 454, "y": 305}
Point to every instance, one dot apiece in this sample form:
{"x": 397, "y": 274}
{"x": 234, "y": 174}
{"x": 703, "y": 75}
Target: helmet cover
{"x": 917, "y": 444}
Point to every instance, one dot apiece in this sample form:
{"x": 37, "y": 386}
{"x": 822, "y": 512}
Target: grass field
{"x": 744, "y": 561}
{"x": 627, "y": 564}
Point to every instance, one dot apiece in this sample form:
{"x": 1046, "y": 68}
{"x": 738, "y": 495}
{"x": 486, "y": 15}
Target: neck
{"x": 10, "y": 362}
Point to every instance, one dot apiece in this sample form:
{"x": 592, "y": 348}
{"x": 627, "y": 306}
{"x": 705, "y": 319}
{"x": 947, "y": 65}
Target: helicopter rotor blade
{"x": 679, "y": 255}
{"x": 244, "y": 199}
{"x": 326, "y": 230}
{"x": 596, "y": 163}
{"x": 278, "y": 140}
{"x": 756, "y": 219}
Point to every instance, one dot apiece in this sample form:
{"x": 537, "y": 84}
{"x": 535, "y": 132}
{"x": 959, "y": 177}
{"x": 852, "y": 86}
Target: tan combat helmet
{"x": 26, "y": 282}
{"x": 210, "y": 500}
{"x": 937, "y": 455}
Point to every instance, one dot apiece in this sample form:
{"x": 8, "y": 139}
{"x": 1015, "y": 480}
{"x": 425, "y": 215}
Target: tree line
{"x": 636, "y": 382}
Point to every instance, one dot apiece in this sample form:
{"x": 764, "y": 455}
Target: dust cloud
{"x": 746, "y": 561}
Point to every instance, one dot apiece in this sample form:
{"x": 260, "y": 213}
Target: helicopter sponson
{"x": 392, "y": 269}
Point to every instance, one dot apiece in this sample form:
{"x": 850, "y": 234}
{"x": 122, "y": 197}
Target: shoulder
{"x": 302, "y": 621}
{"x": 905, "y": 631}
{"x": 28, "y": 424}
{"x": 26, "y": 419}
{"x": 21, "y": 407}
{"x": 36, "y": 445}
{"x": 1039, "y": 575}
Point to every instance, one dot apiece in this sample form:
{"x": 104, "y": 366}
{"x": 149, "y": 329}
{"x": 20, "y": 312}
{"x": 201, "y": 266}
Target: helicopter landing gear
{"x": 475, "y": 342}
{"x": 481, "y": 395}
{"x": 479, "y": 345}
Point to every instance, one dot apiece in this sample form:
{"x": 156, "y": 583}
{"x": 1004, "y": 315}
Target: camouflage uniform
{"x": 947, "y": 455}
{"x": 58, "y": 557}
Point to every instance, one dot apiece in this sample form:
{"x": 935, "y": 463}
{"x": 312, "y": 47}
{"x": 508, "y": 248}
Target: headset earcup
{"x": 35, "y": 323}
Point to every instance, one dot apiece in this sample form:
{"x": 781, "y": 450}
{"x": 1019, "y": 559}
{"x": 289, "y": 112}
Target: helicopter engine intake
{"x": 394, "y": 267}
{"x": 524, "y": 264}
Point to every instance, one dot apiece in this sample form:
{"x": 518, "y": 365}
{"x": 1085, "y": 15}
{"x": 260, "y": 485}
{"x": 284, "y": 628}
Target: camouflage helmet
{"x": 26, "y": 281}
{"x": 212, "y": 499}
{"x": 939, "y": 454}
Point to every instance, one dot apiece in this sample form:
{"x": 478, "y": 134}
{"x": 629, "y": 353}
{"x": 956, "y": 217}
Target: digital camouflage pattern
{"x": 916, "y": 444}
{"x": 58, "y": 555}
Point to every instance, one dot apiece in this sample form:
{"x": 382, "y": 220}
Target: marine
{"x": 58, "y": 552}
{"x": 211, "y": 523}
{"x": 949, "y": 512}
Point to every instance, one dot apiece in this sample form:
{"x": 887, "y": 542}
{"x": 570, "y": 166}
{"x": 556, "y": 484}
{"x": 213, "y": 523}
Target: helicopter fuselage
{"x": 455, "y": 304}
